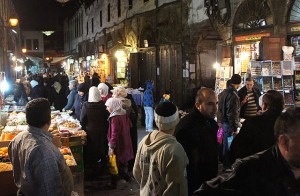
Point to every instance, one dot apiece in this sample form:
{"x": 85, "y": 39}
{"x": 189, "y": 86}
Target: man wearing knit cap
{"x": 230, "y": 116}
{"x": 197, "y": 133}
{"x": 160, "y": 163}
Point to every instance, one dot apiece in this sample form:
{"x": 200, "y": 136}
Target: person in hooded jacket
{"x": 93, "y": 119}
{"x": 148, "y": 102}
{"x": 80, "y": 98}
{"x": 37, "y": 89}
{"x": 119, "y": 140}
{"x": 160, "y": 164}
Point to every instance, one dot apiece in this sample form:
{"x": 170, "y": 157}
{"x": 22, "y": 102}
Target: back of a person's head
{"x": 274, "y": 100}
{"x": 288, "y": 123}
{"x": 38, "y": 112}
{"x": 166, "y": 116}
{"x": 94, "y": 95}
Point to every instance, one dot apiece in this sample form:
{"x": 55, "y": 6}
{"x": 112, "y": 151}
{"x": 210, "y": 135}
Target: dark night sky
{"x": 42, "y": 14}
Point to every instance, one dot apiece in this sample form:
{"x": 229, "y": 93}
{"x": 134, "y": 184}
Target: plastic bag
{"x": 220, "y": 135}
{"x": 113, "y": 169}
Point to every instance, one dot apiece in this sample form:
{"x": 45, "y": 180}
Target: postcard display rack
{"x": 275, "y": 75}
{"x": 223, "y": 73}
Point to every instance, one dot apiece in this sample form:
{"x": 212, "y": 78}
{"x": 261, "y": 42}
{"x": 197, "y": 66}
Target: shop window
{"x": 108, "y": 13}
{"x": 87, "y": 28}
{"x": 28, "y": 44}
{"x": 130, "y": 4}
{"x": 92, "y": 25}
{"x": 252, "y": 14}
{"x": 119, "y": 8}
{"x": 35, "y": 44}
{"x": 295, "y": 12}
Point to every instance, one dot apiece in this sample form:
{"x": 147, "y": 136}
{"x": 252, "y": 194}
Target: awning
{"x": 59, "y": 59}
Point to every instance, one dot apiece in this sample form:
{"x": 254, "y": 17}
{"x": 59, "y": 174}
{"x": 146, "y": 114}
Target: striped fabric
{"x": 251, "y": 108}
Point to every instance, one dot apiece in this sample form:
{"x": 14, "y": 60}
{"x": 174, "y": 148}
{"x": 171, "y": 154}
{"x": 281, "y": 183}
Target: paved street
{"x": 123, "y": 188}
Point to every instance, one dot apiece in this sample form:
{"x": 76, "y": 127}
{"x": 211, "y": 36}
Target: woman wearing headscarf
{"x": 104, "y": 92}
{"x": 119, "y": 140}
{"x": 58, "y": 96}
{"x": 132, "y": 111}
{"x": 94, "y": 121}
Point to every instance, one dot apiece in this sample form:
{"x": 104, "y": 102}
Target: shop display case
{"x": 277, "y": 75}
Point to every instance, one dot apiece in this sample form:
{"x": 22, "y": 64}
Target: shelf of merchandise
{"x": 276, "y": 75}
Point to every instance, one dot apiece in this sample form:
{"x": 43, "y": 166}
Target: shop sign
{"x": 252, "y": 37}
{"x": 296, "y": 28}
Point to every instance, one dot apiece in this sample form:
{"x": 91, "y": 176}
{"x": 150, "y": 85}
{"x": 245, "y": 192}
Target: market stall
{"x": 67, "y": 136}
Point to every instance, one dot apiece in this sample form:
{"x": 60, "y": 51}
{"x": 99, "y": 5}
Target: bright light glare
{"x": 216, "y": 65}
{"x": 18, "y": 68}
{"x": 4, "y": 85}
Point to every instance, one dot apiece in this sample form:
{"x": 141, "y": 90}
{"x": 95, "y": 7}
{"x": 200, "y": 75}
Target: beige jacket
{"x": 160, "y": 166}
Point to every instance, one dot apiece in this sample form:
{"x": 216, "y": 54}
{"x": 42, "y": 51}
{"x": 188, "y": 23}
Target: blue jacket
{"x": 148, "y": 100}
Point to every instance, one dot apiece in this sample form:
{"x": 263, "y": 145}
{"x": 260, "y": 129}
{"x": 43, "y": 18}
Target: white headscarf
{"x": 103, "y": 88}
{"x": 115, "y": 104}
{"x": 94, "y": 95}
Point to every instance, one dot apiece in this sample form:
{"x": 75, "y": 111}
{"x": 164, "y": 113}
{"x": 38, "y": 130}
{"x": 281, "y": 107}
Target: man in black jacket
{"x": 197, "y": 133}
{"x": 275, "y": 171}
{"x": 257, "y": 133}
{"x": 249, "y": 96}
{"x": 230, "y": 116}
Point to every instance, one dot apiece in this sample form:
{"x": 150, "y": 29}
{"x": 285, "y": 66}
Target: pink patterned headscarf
{"x": 115, "y": 104}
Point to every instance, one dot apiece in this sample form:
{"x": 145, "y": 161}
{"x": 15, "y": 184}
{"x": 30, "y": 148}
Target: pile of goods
{"x": 68, "y": 156}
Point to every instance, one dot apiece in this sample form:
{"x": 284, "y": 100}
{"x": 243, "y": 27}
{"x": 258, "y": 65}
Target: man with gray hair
{"x": 275, "y": 171}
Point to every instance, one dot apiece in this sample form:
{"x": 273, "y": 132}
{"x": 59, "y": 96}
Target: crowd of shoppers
{"x": 182, "y": 156}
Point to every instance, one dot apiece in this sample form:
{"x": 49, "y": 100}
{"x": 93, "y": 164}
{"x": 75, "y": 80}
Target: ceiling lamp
{"x": 48, "y": 33}
{"x": 62, "y": 1}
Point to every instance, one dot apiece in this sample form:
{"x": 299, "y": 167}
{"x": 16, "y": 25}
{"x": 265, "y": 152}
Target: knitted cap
{"x": 166, "y": 116}
{"x": 236, "y": 79}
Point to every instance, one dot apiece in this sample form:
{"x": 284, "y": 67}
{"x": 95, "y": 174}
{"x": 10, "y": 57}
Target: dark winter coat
{"x": 231, "y": 108}
{"x": 256, "y": 134}
{"x": 242, "y": 94}
{"x": 94, "y": 121}
{"x": 261, "y": 174}
{"x": 198, "y": 136}
{"x": 20, "y": 96}
{"x": 39, "y": 91}
{"x": 59, "y": 99}
{"x": 77, "y": 106}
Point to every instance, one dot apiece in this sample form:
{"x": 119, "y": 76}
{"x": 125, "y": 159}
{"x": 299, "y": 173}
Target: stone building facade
{"x": 176, "y": 43}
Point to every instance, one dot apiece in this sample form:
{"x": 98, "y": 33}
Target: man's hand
{"x": 245, "y": 100}
{"x": 234, "y": 133}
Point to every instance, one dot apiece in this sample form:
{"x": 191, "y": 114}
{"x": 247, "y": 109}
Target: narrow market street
{"x": 123, "y": 188}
